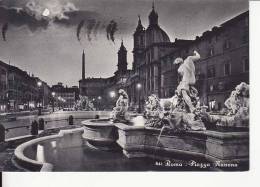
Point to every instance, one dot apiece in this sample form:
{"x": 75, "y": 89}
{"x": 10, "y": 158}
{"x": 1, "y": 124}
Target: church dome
{"x": 154, "y": 33}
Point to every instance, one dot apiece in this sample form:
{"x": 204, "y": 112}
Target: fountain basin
{"x": 28, "y": 157}
{"x": 210, "y": 146}
{"x": 141, "y": 148}
{"x": 100, "y": 133}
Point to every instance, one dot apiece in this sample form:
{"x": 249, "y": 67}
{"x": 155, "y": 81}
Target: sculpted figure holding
{"x": 186, "y": 89}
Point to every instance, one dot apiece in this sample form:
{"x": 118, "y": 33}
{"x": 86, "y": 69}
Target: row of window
{"x": 227, "y": 44}
{"x": 211, "y": 71}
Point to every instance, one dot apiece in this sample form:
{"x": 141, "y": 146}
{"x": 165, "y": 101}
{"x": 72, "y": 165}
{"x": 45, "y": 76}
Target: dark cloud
{"x": 93, "y": 23}
{"x": 32, "y": 16}
{"x": 19, "y": 17}
{"x": 4, "y": 29}
{"x": 81, "y": 24}
{"x": 111, "y": 29}
{"x": 74, "y": 17}
{"x": 90, "y": 26}
{"x": 96, "y": 28}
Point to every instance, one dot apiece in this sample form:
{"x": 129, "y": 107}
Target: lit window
{"x": 211, "y": 88}
{"x": 221, "y": 86}
{"x": 211, "y": 52}
{"x": 212, "y": 104}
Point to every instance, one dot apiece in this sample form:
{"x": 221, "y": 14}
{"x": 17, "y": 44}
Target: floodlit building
{"x": 224, "y": 63}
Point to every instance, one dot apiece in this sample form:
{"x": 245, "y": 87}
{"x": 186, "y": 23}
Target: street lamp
{"x": 64, "y": 103}
{"x": 112, "y": 94}
{"x": 39, "y": 84}
{"x": 99, "y": 102}
{"x": 59, "y": 101}
{"x": 53, "y": 97}
{"x": 139, "y": 87}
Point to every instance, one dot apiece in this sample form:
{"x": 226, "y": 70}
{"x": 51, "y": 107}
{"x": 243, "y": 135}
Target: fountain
{"x": 173, "y": 128}
{"x": 180, "y": 127}
{"x": 102, "y": 133}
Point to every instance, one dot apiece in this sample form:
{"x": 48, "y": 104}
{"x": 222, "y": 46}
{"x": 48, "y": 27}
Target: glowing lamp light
{"x": 39, "y": 84}
{"x": 46, "y": 12}
{"x": 112, "y": 94}
{"x": 139, "y": 86}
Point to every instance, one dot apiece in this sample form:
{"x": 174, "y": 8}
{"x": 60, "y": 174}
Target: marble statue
{"x": 237, "y": 110}
{"x": 186, "y": 92}
{"x": 182, "y": 111}
{"x": 120, "y": 111}
{"x": 238, "y": 102}
{"x": 84, "y": 103}
{"x": 153, "y": 112}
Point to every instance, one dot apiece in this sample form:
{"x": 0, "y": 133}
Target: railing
{"x": 18, "y": 127}
{"x": 35, "y": 126}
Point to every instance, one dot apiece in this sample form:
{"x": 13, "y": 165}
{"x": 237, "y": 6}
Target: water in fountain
{"x": 158, "y": 140}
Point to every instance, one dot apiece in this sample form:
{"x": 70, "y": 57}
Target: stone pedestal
{"x": 100, "y": 134}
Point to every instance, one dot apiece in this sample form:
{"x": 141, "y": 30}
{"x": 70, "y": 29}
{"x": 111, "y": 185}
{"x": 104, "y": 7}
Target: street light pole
{"x": 112, "y": 95}
{"x": 99, "y": 102}
{"x": 53, "y": 97}
{"x": 39, "y": 84}
{"x": 139, "y": 86}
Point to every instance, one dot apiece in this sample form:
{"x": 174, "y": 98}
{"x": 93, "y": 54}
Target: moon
{"x": 46, "y": 12}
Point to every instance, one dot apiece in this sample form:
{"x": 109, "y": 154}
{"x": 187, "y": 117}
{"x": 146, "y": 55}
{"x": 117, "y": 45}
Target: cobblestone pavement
{"x": 6, "y": 161}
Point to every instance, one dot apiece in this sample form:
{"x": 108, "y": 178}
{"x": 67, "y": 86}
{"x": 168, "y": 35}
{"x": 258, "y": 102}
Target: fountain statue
{"x": 84, "y": 103}
{"x": 182, "y": 111}
{"x": 120, "y": 111}
{"x": 237, "y": 113}
{"x": 238, "y": 102}
{"x": 153, "y": 112}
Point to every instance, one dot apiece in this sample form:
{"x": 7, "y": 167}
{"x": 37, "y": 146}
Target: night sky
{"x": 41, "y": 36}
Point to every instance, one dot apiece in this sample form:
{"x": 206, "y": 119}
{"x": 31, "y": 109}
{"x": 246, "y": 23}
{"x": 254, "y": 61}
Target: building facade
{"x": 20, "y": 91}
{"x": 224, "y": 63}
{"x": 65, "y": 97}
{"x": 102, "y": 91}
{"x": 3, "y": 86}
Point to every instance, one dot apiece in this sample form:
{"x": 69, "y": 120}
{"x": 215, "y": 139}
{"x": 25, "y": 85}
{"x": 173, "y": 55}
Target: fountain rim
{"x": 44, "y": 166}
{"x": 98, "y": 122}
